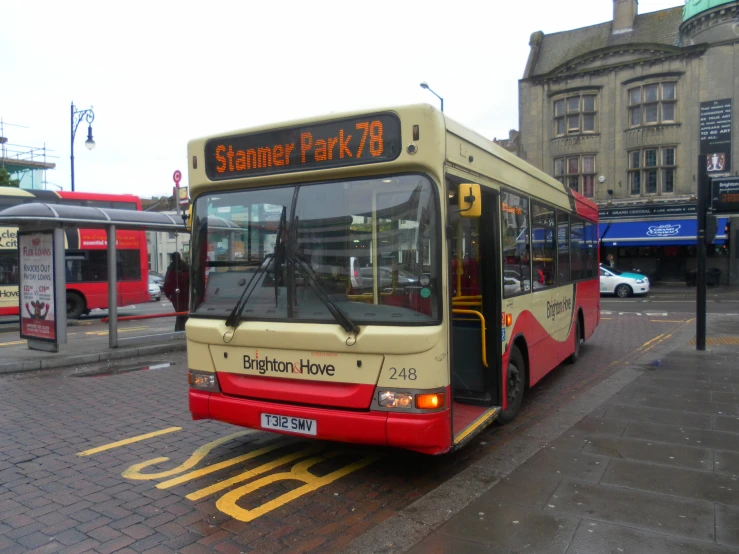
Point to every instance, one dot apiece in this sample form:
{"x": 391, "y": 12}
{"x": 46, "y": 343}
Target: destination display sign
{"x": 725, "y": 195}
{"x": 369, "y": 139}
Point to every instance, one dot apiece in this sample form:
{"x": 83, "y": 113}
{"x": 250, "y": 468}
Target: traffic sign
{"x": 177, "y": 177}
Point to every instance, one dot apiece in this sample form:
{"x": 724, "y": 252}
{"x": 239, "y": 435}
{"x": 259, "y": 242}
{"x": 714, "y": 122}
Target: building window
{"x": 577, "y": 172}
{"x": 652, "y": 104}
{"x": 652, "y": 171}
{"x": 574, "y": 115}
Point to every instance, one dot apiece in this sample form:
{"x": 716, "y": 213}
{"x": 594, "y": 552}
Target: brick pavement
{"x": 53, "y": 500}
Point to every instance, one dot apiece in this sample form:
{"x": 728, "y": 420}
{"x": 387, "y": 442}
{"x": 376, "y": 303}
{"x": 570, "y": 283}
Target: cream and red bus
{"x": 387, "y": 277}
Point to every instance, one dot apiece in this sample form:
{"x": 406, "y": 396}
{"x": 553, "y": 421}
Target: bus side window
{"x": 544, "y": 254}
{"x": 9, "y": 267}
{"x": 516, "y": 244}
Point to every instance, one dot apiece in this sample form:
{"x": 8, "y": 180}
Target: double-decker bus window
{"x": 365, "y": 243}
{"x": 78, "y": 267}
{"x": 8, "y": 267}
{"x": 544, "y": 257}
{"x": 563, "y": 247}
{"x": 578, "y": 251}
{"x": 95, "y": 267}
{"x": 129, "y": 265}
{"x": 516, "y": 244}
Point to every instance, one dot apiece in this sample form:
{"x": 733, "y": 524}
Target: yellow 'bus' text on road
{"x": 305, "y": 458}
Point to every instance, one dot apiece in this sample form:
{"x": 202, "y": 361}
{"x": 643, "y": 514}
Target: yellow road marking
{"x": 264, "y": 468}
{"x": 299, "y": 472}
{"x": 665, "y": 337}
{"x": 650, "y": 341}
{"x": 228, "y": 502}
{"x": 12, "y": 343}
{"x": 719, "y": 340}
{"x": 219, "y": 466}
{"x": 134, "y": 472}
{"x": 128, "y": 441}
{"x": 607, "y": 318}
{"x": 667, "y": 320}
{"x": 126, "y": 330}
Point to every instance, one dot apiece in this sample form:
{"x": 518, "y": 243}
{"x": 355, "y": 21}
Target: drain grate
{"x": 117, "y": 369}
{"x": 719, "y": 340}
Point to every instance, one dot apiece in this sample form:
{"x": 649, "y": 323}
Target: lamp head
{"x": 89, "y": 143}
{"x": 424, "y": 85}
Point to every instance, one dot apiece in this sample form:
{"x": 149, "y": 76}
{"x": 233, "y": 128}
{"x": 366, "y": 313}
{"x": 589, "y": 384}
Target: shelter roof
{"x": 39, "y": 213}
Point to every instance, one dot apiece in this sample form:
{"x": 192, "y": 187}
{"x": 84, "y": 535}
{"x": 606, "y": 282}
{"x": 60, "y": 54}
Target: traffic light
{"x": 711, "y": 229}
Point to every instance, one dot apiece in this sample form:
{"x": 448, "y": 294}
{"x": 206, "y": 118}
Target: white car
{"x": 622, "y": 283}
{"x": 155, "y": 292}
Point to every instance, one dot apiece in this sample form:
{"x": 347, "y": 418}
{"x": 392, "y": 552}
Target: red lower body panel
{"x": 343, "y": 395}
{"x": 427, "y": 433}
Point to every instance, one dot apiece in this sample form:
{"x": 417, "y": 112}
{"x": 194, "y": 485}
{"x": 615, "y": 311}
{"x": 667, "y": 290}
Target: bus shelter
{"x": 49, "y": 221}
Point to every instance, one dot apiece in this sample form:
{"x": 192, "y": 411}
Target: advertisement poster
{"x": 36, "y": 305}
{"x": 715, "y": 135}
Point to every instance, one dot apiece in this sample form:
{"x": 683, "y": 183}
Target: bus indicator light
{"x": 430, "y": 401}
{"x": 509, "y": 320}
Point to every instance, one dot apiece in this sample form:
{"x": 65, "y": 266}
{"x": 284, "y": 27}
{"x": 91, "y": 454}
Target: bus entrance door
{"x": 475, "y": 361}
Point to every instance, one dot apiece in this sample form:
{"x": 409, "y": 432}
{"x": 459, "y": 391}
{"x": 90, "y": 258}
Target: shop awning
{"x": 668, "y": 232}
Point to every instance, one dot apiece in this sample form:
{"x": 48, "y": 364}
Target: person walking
{"x": 177, "y": 288}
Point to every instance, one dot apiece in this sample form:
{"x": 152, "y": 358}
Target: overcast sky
{"x": 159, "y": 73}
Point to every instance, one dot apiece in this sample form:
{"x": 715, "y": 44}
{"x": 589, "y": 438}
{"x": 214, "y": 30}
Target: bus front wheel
{"x": 75, "y": 305}
{"x": 515, "y": 384}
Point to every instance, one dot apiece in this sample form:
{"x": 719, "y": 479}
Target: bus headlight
{"x": 203, "y": 381}
{"x": 394, "y": 399}
{"x": 409, "y": 400}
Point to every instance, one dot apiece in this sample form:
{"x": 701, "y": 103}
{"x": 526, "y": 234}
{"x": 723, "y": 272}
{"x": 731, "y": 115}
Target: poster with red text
{"x": 36, "y": 257}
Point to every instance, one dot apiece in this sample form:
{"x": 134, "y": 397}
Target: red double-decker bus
{"x": 86, "y": 254}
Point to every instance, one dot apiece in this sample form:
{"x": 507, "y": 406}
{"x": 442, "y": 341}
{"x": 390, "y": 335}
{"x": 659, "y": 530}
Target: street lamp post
{"x": 76, "y": 117}
{"x": 426, "y": 86}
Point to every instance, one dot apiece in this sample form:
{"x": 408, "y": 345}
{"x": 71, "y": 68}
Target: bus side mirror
{"x": 470, "y": 200}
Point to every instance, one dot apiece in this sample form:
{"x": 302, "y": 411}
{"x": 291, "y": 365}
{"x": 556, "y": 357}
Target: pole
{"x": 60, "y": 294}
{"x": 112, "y": 290}
{"x": 71, "y": 141}
{"x": 700, "y": 296}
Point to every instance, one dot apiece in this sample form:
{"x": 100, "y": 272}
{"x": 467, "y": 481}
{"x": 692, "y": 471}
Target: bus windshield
{"x": 361, "y": 250}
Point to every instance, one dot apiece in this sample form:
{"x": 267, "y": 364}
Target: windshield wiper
{"x": 338, "y": 313}
{"x": 233, "y": 318}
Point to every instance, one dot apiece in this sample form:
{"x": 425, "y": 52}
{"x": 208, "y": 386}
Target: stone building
{"x": 614, "y": 111}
